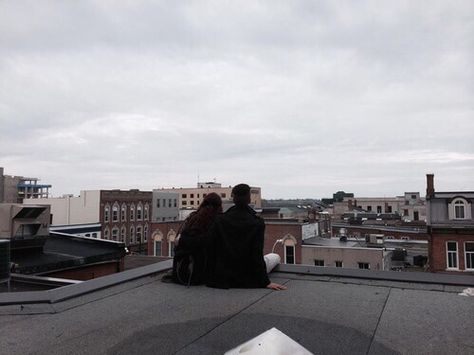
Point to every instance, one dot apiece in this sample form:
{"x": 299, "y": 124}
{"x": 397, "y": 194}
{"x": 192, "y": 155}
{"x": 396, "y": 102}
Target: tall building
{"x": 191, "y": 197}
{"x": 123, "y": 215}
{"x": 13, "y": 189}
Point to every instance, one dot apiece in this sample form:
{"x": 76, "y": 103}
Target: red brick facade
{"x": 132, "y": 228}
{"x": 438, "y": 250}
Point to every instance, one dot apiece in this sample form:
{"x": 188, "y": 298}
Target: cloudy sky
{"x": 302, "y": 98}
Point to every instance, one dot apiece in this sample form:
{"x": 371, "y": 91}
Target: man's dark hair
{"x": 241, "y": 194}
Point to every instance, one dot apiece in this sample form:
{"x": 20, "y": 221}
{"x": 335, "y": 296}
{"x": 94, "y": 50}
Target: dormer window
{"x": 459, "y": 208}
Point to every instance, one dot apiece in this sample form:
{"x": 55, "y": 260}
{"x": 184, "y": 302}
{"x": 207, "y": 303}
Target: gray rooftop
{"x": 326, "y": 314}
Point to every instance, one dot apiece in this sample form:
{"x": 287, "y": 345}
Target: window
{"x": 106, "y": 233}
{"x": 184, "y": 196}
{"x": 145, "y": 213}
{"x": 338, "y": 263}
{"x": 169, "y": 202}
{"x": 459, "y": 209}
{"x": 289, "y": 254}
{"x": 123, "y": 213}
{"x": 157, "y": 248}
{"x": 192, "y": 195}
{"x": 389, "y": 209}
{"x": 413, "y": 197}
{"x": 132, "y": 212}
{"x": 163, "y": 202}
{"x": 88, "y": 235}
{"x": 115, "y": 210}
{"x": 223, "y": 195}
{"x": 184, "y": 203}
{"x": 175, "y": 205}
{"x": 318, "y": 262}
{"x": 379, "y": 209}
{"x": 158, "y": 203}
{"x": 115, "y": 233}
{"x": 192, "y": 202}
{"x": 94, "y": 235}
{"x": 365, "y": 266}
{"x": 145, "y": 233}
{"x": 369, "y": 208}
{"x": 171, "y": 249}
{"x": 469, "y": 255}
{"x": 123, "y": 233}
{"x": 139, "y": 234}
{"x": 405, "y": 212}
{"x": 452, "y": 255}
{"x": 416, "y": 215}
{"x": 106, "y": 213}
{"x": 139, "y": 212}
{"x": 132, "y": 235}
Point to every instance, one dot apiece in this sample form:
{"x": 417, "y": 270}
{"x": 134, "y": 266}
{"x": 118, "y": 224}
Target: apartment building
{"x": 192, "y": 197}
{"x": 451, "y": 229}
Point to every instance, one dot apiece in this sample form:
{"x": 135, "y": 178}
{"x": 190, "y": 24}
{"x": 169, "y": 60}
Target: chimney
{"x": 430, "y": 186}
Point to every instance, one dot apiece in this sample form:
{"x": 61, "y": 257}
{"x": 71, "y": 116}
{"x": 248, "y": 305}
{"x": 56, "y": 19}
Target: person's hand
{"x": 276, "y": 287}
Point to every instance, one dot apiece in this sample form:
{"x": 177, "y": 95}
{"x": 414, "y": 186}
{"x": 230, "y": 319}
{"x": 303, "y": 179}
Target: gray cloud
{"x": 302, "y": 98}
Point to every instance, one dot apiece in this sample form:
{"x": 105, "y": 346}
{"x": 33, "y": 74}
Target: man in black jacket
{"x": 236, "y": 247}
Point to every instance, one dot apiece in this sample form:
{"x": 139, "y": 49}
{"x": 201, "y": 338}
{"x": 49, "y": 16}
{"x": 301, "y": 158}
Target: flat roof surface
{"x": 326, "y": 315}
{"x": 66, "y": 251}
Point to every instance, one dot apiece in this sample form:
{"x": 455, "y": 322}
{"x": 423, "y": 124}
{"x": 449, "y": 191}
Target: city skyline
{"x": 301, "y": 99}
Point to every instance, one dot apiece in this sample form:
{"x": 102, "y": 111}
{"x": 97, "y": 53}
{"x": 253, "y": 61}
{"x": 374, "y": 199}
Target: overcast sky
{"x": 302, "y": 98}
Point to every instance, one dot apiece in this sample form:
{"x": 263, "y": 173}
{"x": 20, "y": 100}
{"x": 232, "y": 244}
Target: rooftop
{"x": 327, "y": 311}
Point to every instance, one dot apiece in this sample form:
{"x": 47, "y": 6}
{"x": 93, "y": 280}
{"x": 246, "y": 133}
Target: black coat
{"x": 236, "y": 250}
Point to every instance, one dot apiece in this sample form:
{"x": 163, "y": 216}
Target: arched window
{"x": 132, "y": 212}
{"x": 289, "y": 243}
{"x": 146, "y": 212}
{"x": 115, "y": 212}
{"x": 139, "y": 234}
{"x": 115, "y": 233}
{"x": 132, "y": 235}
{"x": 106, "y": 233}
{"x": 459, "y": 208}
{"x": 123, "y": 213}
{"x": 139, "y": 212}
{"x": 171, "y": 237}
{"x": 157, "y": 240}
{"x": 106, "y": 213}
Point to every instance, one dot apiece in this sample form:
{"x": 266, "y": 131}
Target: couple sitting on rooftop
{"x": 223, "y": 250}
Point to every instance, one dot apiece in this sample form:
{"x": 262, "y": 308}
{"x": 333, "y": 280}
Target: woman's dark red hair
{"x": 201, "y": 219}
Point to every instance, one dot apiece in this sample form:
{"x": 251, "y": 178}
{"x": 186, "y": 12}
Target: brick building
{"x": 124, "y": 215}
{"x": 284, "y": 237}
{"x": 451, "y": 229}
